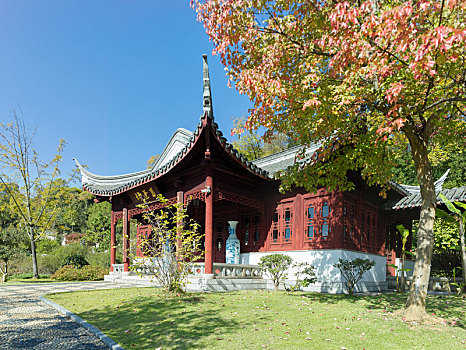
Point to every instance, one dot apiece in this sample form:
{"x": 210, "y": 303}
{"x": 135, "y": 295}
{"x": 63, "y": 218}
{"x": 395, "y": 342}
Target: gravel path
{"x": 27, "y": 323}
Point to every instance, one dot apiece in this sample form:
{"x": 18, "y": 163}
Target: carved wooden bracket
{"x": 151, "y": 207}
{"x": 236, "y": 198}
{"x": 190, "y": 196}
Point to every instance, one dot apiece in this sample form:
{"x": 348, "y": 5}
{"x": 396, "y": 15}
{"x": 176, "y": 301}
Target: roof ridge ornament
{"x": 207, "y": 94}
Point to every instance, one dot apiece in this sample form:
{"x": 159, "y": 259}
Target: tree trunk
{"x": 463, "y": 253}
{"x": 415, "y": 307}
{"x": 35, "y": 268}
{"x": 4, "y": 271}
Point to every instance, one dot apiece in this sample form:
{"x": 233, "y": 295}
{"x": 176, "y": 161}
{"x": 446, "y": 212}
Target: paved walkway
{"x": 27, "y": 323}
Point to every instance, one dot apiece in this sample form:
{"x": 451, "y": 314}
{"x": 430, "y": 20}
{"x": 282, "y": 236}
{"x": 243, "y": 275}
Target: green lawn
{"x": 141, "y": 318}
{"x": 27, "y": 278}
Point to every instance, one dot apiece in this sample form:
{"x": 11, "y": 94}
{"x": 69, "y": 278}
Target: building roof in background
{"x": 414, "y": 200}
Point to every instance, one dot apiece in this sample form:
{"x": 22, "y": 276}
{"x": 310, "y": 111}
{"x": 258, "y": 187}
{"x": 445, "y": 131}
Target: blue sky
{"x": 113, "y": 78}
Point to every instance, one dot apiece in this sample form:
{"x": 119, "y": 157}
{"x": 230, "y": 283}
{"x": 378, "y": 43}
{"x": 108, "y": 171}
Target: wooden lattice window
{"x": 275, "y": 227}
{"x": 288, "y": 224}
{"x": 317, "y": 219}
{"x": 325, "y": 220}
{"x": 310, "y": 221}
{"x": 282, "y": 224}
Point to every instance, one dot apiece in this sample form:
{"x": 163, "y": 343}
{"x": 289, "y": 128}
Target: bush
{"x": 76, "y": 260}
{"x": 93, "y": 272}
{"x": 305, "y": 270}
{"x": 352, "y": 270}
{"x": 58, "y": 257}
{"x": 87, "y": 273}
{"x": 276, "y": 265}
{"x": 67, "y": 273}
{"x": 21, "y": 264}
{"x": 48, "y": 264}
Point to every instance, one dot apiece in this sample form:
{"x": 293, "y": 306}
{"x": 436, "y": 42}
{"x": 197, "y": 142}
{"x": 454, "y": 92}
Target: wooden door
{"x": 220, "y": 237}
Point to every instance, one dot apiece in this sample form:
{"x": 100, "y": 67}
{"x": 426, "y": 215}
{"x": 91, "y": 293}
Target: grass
{"x": 27, "y": 278}
{"x": 143, "y": 318}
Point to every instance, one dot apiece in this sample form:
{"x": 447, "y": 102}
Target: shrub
{"x": 76, "y": 260}
{"x": 48, "y": 264}
{"x": 93, "y": 272}
{"x": 305, "y": 270}
{"x": 67, "y": 273}
{"x": 352, "y": 270}
{"x": 21, "y": 264}
{"x": 276, "y": 265}
{"x": 87, "y": 273}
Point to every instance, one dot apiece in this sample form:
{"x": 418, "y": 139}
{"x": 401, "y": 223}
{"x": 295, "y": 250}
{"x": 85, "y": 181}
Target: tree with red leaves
{"x": 367, "y": 80}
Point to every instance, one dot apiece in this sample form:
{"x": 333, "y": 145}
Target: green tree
{"x": 251, "y": 145}
{"x": 30, "y": 183}
{"x": 368, "y": 81}
{"x": 10, "y": 247}
{"x": 171, "y": 247}
{"x": 99, "y": 225}
{"x": 404, "y": 171}
{"x": 74, "y": 210}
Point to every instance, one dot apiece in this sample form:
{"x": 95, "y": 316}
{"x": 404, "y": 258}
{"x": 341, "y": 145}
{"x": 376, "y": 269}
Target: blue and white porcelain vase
{"x": 232, "y": 244}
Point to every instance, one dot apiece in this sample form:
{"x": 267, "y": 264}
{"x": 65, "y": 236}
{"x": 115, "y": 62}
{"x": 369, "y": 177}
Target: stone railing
{"x": 436, "y": 284}
{"x": 117, "y": 268}
{"x": 232, "y": 271}
{"x": 145, "y": 270}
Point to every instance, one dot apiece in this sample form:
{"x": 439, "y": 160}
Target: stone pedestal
{"x": 232, "y": 244}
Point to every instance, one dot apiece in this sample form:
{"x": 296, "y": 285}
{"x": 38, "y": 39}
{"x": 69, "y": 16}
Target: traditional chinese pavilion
{"x": 217, "y": 184}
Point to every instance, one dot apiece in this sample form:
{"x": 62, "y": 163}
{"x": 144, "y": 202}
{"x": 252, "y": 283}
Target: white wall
{"x": 329, "y": 278}
{"x": 409, "y": 264}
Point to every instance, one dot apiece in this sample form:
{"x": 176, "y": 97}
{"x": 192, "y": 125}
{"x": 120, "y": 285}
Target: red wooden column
{"x": 125, "y": 240}
{"x": 337, "y": 239}
{"x": 209, "y": 239}
{"x": 112, "y": 241}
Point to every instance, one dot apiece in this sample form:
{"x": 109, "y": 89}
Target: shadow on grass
{"x": 448, "y": 307}
{"x": 169, "y": 323}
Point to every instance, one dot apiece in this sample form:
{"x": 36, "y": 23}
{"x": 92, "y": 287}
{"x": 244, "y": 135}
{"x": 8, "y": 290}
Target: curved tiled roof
{"x": 282, "y": 160}
{"x": 414, "y": 200}
{"x": 438, "y": 185}
{"x": 112, "y": 185}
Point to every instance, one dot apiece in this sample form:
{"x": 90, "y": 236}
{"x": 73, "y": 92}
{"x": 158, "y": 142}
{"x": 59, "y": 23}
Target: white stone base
{"x": 329, "y": 278}
{"x": 129, "y": 278}
{"x": 196, "y": 284}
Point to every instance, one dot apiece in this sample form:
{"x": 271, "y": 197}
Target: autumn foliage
{"x": 366, "y": 80}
